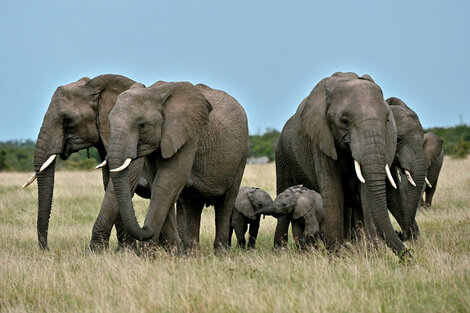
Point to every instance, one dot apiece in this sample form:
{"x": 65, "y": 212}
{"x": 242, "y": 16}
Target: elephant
{"x": 249, "y": 200}
{"x": 408, "y": 168}
{"x": 77, "y": 118}
{"x": 344, "y": 129}
{"x": 304, "y": 207}
{"x": 434, "y": 155}
{"x": 197, "y": 139}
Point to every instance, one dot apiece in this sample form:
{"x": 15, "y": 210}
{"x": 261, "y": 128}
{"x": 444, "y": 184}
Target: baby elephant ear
{"x": 137, "y": 85}
{"x": 244, "y": 206}
{"x": 313, "y": 119}
{"x": 186, "y": 113}
{"x": 303, "y": 205}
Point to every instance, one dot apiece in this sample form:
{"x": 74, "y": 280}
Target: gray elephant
{"x": 249, "y": 200}
{"x": 197, "y": 139}
{"x": 434, "y": 155}
{"x": 408, "y": 168}
{"x": 341, "y": 143}
{"x": 77, "y": 118}
{"x": 304, "y": 208}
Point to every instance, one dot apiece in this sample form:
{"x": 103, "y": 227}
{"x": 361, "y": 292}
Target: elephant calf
{"x": 249, "y": 200}
{"x": 305, "y": 210}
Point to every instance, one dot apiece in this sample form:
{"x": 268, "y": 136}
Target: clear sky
{"x": 267, "y": 54}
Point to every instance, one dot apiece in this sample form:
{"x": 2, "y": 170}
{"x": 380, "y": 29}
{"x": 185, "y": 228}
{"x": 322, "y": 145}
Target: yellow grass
{"x": 67, "y": 279}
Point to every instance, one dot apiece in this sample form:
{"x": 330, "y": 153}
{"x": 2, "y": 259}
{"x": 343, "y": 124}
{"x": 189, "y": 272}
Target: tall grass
{"x": 68, "y": 279}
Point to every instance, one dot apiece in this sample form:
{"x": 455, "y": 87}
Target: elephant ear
{"x": 303, "y": 205}
{"x": 313, "y": 119}
{"x": 367, "y": 77}
{"x": 186, "y": 112}
{"x": 105, "y": 89}
{"x": 244, "y": 205}
{"x": 432, "y": 148}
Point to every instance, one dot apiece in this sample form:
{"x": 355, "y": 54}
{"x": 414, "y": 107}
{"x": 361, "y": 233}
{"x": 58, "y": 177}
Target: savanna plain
{"x": 355, "y": 279}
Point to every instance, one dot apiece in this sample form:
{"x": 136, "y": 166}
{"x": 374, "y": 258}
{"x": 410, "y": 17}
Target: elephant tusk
{"x": 399, "y": 175}
{"x": 358, "y": 172}
{"x": 410, "y": 179}
{"x": 30, "y": 181}
{"x": 427, "y": 182}
{"x": 123, "y": 166}
{"x": 102, "y": 164}
{"x": 48, "y": 162}
{"x": 389, "y": 176}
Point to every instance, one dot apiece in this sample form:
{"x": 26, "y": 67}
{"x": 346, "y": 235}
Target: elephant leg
{"x": 192, "y": 212}
{"x": 169, "y": 238}
{"x": 297, "y": 232}
{"x": 253, "y": 232}
{"x": 280, "y": 235}
{"x": 240, "y": 231}
{"x": 180, "y": 219}
{"x": 230, "y": 234}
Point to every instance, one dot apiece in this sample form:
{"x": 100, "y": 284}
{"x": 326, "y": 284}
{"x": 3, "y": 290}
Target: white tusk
{"x": 102, "y": 164}
{"x": 29, "y": 182}
{"x": 358, "y": 172}
{"x": 410, "y": 179}
{"x": 427, "y": 182}
{"x": 399, "y": 175}
{"x": 48, "y": 162}
{"x": 389, "y": 175}
{"x": 123, "y": 166}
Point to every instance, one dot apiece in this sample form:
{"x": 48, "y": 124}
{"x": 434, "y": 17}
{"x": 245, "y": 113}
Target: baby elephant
{"x": 249, "y": 200}
{"x": 305, "y": 208}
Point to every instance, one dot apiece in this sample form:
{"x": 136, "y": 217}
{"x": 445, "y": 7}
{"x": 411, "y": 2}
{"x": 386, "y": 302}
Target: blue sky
{"x": 267, "y": 54}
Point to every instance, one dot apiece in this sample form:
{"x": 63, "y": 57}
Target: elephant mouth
{"x": 73, "y": 144}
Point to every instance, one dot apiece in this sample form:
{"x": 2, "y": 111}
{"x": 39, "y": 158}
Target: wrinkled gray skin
{"x": 199, "y": 158}
{"x": 304, "y": 208}
{"x": 345, "y": 118}
{"x": 77, "y": 118}
{"x": 403, "y": 202}
{"x": 249, "y": 200}
{"x": 434, "y": 155}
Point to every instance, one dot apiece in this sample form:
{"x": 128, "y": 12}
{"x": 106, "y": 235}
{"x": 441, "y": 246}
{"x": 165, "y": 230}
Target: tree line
{"x": 18, "y": 155}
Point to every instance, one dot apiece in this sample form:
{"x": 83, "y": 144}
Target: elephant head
{"x": 162, "y": 118}
{"x": 251, "y": 199}
{"x": 77, "y": 118}
{"x": 433, "y": 148}
{"x": 409, "y": 160}
{"x": 348, "y": 120}
{"x": 300, "y": 202}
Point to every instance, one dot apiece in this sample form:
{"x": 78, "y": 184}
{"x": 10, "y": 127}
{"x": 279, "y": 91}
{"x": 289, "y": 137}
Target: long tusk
{"x": 358, "y": 172}
{"x": 102, "y": 164}
{"x": 48, "y": 162}
{"x": 30, "y": 181}
{"x": 123, "y": 166}
{"x": 399, "y": 175}
{"x": 427, "y": 182}
{"x": 410, "y": 179}
{"x": 389, "y": 175}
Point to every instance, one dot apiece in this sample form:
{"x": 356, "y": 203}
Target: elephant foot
{"x": 405, "y": 255}
{"x": 129, "y": 245}
{"x": 97, "y": 246}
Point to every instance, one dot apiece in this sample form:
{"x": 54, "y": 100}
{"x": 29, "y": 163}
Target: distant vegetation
{"x": 17, "y": 155}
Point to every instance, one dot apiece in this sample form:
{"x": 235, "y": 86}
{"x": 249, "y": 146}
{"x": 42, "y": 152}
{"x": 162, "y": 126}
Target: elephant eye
{"x": 66, "y": 122}
{"x": 345, "y": 121}
{"x": 141, "y": 125}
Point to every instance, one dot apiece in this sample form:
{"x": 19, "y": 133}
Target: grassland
{"x": 67, "y": 279}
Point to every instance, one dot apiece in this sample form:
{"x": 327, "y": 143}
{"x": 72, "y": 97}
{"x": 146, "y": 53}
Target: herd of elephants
{"x": 344, "y": 160}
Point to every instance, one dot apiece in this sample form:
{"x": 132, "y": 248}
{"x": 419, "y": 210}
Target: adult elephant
{"x": 434, "y": 156}
{"x": 77, "y": 118}
{"x": 409, "y": 163}
{"x": 197, "y": 138}
{"x": 343, "y": 127}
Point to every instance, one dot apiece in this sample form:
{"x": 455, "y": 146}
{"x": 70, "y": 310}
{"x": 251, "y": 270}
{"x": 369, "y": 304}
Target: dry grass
{"x": 66, "y": 278}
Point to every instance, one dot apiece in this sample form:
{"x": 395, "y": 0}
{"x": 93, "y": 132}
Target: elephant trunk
{"x": 120, "y": 180}
{"x": 374, "y": 173}
{"x": 48, "y": 144}
{"x": 418, "y": 173}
